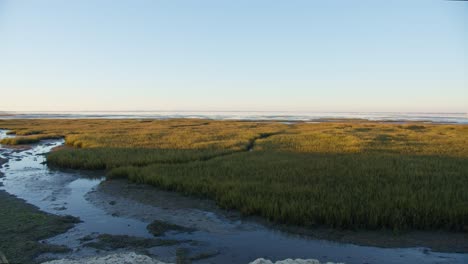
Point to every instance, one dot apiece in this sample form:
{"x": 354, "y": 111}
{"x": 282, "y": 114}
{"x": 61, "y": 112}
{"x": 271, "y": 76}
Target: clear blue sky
{"x": 407, "y": 55}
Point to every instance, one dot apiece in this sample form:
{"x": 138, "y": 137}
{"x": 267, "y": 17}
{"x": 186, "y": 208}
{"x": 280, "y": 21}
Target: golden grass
{"x": 346, "y": 174}
{"x": 161, "y": 134}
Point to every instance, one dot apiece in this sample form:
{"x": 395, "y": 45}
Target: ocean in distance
{"x": 461, "y": 118}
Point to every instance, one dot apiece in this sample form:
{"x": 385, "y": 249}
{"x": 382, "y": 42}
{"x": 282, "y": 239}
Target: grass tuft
{"x": 159, "y": 228}
{"x": 112, "y": 242}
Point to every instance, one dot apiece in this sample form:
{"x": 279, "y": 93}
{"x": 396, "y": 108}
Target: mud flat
{"x": 191, "y": 212}
{"x": 147, "y": 204}
{"x": 124, "y": 199}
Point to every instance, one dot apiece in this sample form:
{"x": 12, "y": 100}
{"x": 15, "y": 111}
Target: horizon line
{"x": 232, "y": 111}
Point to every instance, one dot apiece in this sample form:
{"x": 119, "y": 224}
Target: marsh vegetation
{"x": 159, "y": 228}
{"x": 341, "y": 174}
{"x": 23, "y": 225}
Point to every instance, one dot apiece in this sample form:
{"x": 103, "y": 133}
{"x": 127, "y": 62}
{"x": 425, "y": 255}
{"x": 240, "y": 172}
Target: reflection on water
{"x": 64, "y": 192}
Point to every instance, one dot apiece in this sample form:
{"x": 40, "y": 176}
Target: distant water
{"x": 461, "y": 118}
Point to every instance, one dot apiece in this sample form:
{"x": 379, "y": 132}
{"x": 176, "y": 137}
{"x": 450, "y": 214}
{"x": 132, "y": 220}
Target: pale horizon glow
{"x": 246, "y": 55}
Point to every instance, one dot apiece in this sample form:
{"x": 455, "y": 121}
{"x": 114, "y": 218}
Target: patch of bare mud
{"x": 146, "y": 203}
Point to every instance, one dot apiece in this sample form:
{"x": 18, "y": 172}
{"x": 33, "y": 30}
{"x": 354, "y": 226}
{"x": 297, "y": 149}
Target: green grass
{"x": 338, "y": 190}
{"x": 343, "y": 174}
{"x": 107, "y": 158}
{"x": 23, "y": 225}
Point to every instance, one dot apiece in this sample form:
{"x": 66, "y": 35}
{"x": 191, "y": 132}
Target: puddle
{"x": 117, "y": 207}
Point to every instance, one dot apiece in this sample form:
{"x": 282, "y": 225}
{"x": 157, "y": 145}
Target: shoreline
{"x": 255, "y": 116}
{"x": 438, "y": 241}
{"x": 31, "y": 226}
{"x": 25, "y": 227}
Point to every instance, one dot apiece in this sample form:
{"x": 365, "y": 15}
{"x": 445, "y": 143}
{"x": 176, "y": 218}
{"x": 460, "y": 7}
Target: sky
{"x": 259, "y": 55}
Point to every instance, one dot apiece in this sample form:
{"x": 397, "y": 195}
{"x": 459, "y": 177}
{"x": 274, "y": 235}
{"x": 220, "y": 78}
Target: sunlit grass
{"x": 161, "y": 134}
{"x": 338, "y": 190}
{"x": 107, "y": 158}
{"x": 20, "y": 140}
{"x": 345, "y": 174}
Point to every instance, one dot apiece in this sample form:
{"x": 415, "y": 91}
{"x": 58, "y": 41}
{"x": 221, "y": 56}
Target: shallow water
{"x": 461, "y": 118}
{"x": 236, "y": 240}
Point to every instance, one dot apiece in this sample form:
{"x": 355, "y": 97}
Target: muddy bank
{"x": 23, "y": 226}
{"x": 440, "y": 241}
{"x": 147, "y": 203}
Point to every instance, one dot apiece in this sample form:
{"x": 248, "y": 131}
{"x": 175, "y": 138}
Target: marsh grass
{"x": 25, "y": 132}
{"x": 21, "y": 140}
{"x": 108, "y": 158}
{"x": 343, "y": 174}
{"x": 337, "y": 190}
{"x": 22, "y": 226}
